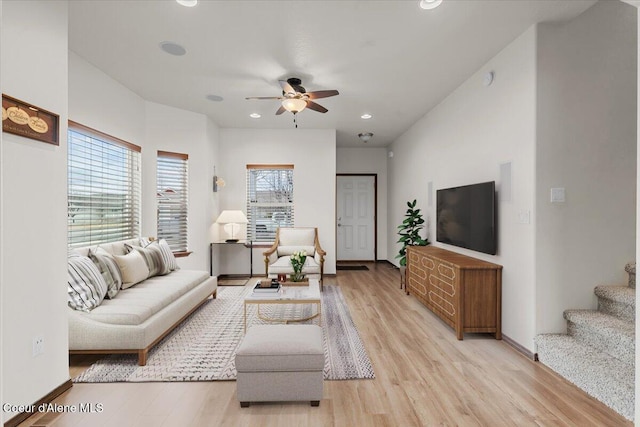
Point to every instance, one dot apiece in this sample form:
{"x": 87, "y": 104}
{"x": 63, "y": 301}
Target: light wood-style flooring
{"x": 424, "y": 377}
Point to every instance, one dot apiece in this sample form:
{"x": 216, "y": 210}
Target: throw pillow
{"x": 167, "y": 254}
{"x": 153, "y": 257}
{"x": 109, "y": 271}
{"x": 133, "y": 268}
{"x": 85, "y": 286}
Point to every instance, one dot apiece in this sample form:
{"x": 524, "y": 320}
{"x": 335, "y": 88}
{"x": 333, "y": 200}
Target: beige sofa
{"x": 138, "y": 317}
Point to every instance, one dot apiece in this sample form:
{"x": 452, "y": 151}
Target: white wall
{"x": 180, "y": 131}
{"x": 313, "y": 154}
{"x": 33, "y": 203}
{"x": 463, "y": 141}
{"x": 587, "y": 78}
{"x": 369, "y": 160}
{"x": 98, "y": 101}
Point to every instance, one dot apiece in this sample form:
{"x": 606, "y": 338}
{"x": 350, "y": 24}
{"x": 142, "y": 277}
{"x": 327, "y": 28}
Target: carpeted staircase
{"x": 598, "y": 352}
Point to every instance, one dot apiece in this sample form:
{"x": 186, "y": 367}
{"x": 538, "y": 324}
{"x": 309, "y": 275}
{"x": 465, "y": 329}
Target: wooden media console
{"x": 463, "y": 291}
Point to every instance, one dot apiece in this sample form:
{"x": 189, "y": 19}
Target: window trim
{"x": 105, "y": 138}
{"x": 86, "y": 130}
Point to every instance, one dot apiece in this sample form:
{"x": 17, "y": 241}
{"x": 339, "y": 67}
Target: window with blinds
{"x": 172, "y": 193}
{"x": 103, "y": 187}
{"x": 269, "y": 200}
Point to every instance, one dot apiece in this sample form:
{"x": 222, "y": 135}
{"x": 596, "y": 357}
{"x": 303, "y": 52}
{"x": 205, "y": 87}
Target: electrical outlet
{"x": 524, "y": 217}
{"x": 38, "y": 345}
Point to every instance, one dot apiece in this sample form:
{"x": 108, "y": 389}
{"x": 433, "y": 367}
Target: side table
{"x": 245, "y": 243}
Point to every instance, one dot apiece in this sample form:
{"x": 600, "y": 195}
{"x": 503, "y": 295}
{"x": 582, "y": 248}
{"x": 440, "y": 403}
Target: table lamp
{"x": 232, "y": 221}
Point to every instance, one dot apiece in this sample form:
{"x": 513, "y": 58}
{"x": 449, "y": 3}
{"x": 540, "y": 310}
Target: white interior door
{"x": 356, "y": 218}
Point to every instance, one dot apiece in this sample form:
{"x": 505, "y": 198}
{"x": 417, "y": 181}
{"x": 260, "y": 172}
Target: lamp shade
{"x": 294, "y": 105}
{"x": 231, "y": 219}
{"x": 227, "y": 217}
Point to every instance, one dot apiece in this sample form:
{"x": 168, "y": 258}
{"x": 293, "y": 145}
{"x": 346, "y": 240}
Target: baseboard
{"x": 21, "y": 417}
{"x": 519, "y": 348}
{"x": 386, "y": 261}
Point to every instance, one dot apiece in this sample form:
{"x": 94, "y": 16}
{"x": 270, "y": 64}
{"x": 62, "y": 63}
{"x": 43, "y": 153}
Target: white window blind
{"x": 103, "y": 187}
{"x": 172, "y": 193}
{"x": 269, "y": 200}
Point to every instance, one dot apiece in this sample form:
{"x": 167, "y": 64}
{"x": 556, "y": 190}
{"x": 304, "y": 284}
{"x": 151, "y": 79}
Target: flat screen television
{"x": 466, "y": 217}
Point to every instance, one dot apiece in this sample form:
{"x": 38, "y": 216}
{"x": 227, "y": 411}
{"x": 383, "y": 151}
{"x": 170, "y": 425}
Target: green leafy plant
{"x": 297, "y": 262}
{"x": 409, "y": 231}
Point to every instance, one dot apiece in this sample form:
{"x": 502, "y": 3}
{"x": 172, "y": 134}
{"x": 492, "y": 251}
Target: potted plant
{"x": 409, "y": 232}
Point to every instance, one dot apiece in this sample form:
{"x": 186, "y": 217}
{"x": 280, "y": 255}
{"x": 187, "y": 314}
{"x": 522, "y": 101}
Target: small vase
{"x": 297, "y": 276}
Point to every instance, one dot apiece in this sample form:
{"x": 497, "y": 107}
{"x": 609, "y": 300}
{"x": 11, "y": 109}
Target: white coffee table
{"x": 289, "y": 295}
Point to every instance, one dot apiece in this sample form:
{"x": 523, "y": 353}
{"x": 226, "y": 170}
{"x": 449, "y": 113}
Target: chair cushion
{"x": 296, "y": 236}
{"x": 289, "y": 250}
{"x": 283, "y": 265}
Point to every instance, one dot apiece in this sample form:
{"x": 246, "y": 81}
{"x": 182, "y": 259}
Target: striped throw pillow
{"x": 85, "y": 286}
{"x": 109, "y": 270}
{"x": 167, "y": 254}
{"x": 153, "y": 257}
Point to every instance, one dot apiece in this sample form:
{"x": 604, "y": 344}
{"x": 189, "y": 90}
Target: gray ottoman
{"x": 278, "y": 363}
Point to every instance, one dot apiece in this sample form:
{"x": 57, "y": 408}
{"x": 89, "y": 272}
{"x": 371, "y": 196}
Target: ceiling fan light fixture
{"x": 294, "y": 105}
{"x": 187, "y": 3}
{"x": 366, "y": 116}
{"x": 430, "y": 4}
{"x": 365, "y": 136}
{"x": 255, "y": 115}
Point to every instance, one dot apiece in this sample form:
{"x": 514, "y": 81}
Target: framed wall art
{"x": 23, "y": 119}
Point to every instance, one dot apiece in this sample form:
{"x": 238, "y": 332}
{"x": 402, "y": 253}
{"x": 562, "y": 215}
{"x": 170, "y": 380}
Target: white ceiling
{"x": 387, "y": 58}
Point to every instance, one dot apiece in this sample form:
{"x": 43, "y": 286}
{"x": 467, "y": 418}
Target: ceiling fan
{"x": 295, "y": 98}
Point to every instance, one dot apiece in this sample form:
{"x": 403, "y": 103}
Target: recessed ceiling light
{"x": 173, "y": 48}
{"x": 187, "y": 3}
{"x": 366, "y": 116}
{"x": 430, "y": 4}
{"x": 214, "y": 98}
{"x": 255, "y": 115}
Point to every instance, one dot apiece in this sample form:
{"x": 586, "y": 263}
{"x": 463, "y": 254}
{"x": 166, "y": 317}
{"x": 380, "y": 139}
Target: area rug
{"x": 352, "y": 267}
{"x": 232, "y": 282}
{"x": 203, "y": 347}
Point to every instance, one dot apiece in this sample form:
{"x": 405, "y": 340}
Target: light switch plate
{"x": 524, "y": 217}
{"x": 557, "y": 195}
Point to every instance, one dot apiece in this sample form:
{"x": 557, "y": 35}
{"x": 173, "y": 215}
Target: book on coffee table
{"x": 266, "y": 287}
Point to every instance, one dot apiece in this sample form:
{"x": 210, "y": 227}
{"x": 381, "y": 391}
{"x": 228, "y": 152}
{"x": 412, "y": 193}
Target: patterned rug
{"x": 203, "y": 347}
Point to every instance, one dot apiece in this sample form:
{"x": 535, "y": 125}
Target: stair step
{"x": 619, "y": 301}
{"x": 604, "y": 332}
{"x": 604, "y": 377}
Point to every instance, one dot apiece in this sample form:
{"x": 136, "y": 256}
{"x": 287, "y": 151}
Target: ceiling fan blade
{"x": 322, "y": 94}
{"x": 263, "y": 97}
{"x": 280, "y": 110}
{"x": 316, "y": 107}
{"x": 286, "y": 87}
